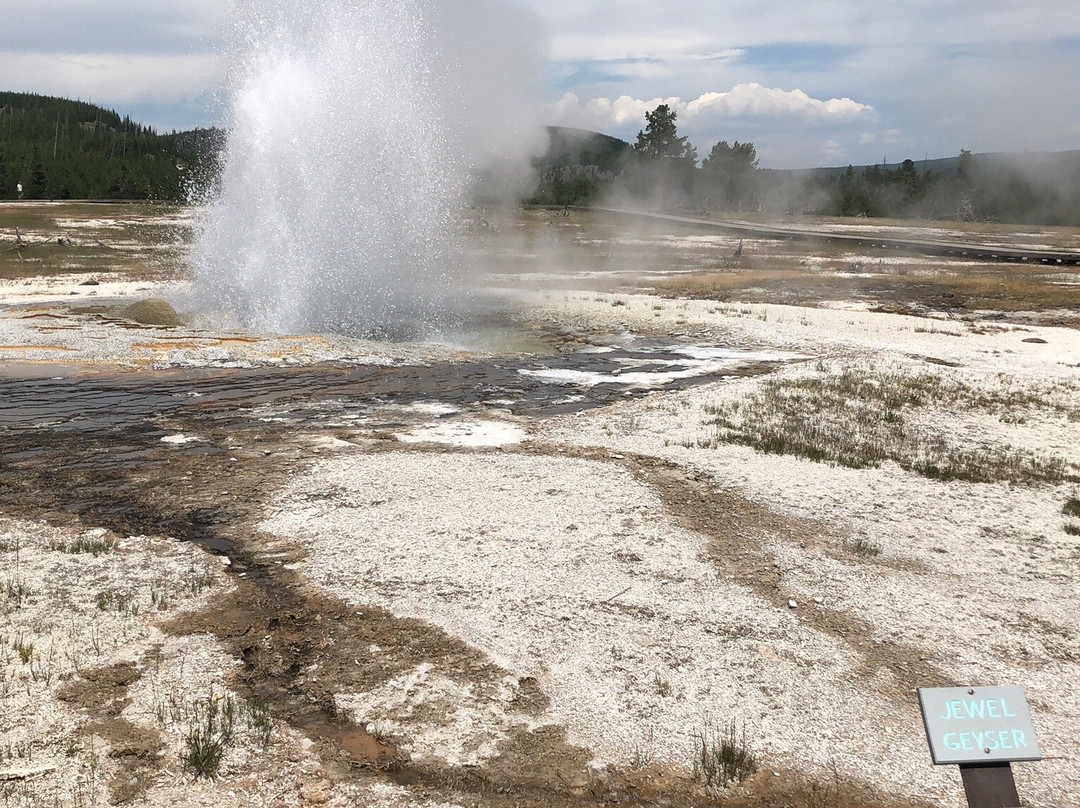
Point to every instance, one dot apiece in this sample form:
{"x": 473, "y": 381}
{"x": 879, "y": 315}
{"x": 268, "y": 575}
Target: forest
{"x": 60, "y": 149}
{"x": 662, "y": 169}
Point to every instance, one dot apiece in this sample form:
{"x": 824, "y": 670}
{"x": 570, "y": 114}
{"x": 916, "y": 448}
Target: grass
{"x": 861, "y": 419}
{"x": 89, "y": 545}
{"x": 1072, "y": 530}
{"x": 210, "y": 733}
{"x": 259, "y": 719}
{"x": 136, "y": 239}
{"x": 1071, "y": 508}
{"x": 159, "y": 593}
{"x": 212, "y": 726}
{"x": 118, "y": 601}
{"x": 24, "y": 648}
{"x": 16, "y": 591}
{"x": 1020, "y": 288}
{"x": 862, "y": 547}
{"x": 721, "y": 756}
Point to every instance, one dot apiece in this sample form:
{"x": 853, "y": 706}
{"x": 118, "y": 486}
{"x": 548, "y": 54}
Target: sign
{"x": 978, "y": 725}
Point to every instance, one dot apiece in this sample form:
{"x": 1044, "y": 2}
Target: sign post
{"x": 983, "y": 730}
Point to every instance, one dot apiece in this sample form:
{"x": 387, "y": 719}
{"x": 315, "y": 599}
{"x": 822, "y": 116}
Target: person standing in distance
{"x": 18, "y": 188}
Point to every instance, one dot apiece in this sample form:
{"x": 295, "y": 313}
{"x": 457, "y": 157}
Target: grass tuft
{"x": 16, "y": 591}
{"x": 862, "y": 547}
{"x": 259, "y": 719}
{"x": 1072, "y": 507}
{"x": 94, "y": 547}
{"x": 210, "y": 733}
{"x": 721, "y": 756}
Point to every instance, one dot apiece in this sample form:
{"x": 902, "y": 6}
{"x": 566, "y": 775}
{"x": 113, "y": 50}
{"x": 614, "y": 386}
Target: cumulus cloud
{"x": 753, "y": 100}
{"x": 742, "y": 101}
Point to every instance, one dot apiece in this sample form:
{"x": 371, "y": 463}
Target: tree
{"x": 739, "y": 158}
{"x": 37, "y": 176}
{"x": 660, "y": 138}
{"x": 965, "y": 166}
{"x": 730, "y": 169}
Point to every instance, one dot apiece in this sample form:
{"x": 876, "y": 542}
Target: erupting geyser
{"x": 355, "y": 131}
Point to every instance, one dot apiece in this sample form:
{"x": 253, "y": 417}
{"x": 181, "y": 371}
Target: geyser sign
{"x": 983, "y": 730}
{"x": 978, "y": 725}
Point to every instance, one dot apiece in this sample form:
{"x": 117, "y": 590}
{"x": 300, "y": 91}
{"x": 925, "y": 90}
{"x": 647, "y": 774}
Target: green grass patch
{"x": 861, "y": 419}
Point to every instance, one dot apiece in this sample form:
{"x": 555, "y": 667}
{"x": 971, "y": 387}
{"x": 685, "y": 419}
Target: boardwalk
{"x": 956, "y": 249}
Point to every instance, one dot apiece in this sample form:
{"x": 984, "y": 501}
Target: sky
{"x": 809, "y": 82}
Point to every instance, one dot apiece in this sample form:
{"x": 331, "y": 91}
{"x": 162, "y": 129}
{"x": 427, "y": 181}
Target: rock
{"x": 819, "y": 600}
{"x": 153, "y": 311}
{"x": 1036, "y": 340}
{"x": 793, "y": 604}
{"x": 317, "y": 793}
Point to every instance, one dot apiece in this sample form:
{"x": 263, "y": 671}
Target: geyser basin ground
{"x": 452, "y": 582}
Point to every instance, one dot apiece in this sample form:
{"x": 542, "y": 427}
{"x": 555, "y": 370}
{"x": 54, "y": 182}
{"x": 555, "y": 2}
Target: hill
{"x": 569, "y": 147}
{"x": 576, "y": 165}
{"x": 61, "y": 149}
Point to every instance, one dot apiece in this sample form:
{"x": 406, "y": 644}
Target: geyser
{"x": 356, "y": 128}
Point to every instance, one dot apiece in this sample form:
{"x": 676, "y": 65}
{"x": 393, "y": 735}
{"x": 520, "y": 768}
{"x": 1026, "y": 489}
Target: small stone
{"x": 819, "y": 600}
{"x": 793, "y": 604}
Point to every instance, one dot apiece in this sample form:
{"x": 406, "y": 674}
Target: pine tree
{"x": 660, "y": 138}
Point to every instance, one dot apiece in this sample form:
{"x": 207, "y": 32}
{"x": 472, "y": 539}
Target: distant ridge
{"x": 1033, "y": 161}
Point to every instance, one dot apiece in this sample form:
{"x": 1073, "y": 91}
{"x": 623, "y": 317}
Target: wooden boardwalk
{"x": 954, "y": 249}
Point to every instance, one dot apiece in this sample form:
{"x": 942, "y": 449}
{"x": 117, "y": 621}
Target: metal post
{"x": 989, "y": 785}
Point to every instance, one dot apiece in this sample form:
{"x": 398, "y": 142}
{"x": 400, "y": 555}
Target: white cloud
{"x": 598, "y": 113}
{"x": 111, "y": 79}
{"x": 832, "y": 150}
{"x": 742, "y": 101}
{"x": 753, "y": 100}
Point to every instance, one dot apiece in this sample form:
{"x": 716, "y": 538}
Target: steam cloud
{"x": 357, "y": 128}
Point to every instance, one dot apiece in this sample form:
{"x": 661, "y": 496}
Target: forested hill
{"x": 60, "y": 149}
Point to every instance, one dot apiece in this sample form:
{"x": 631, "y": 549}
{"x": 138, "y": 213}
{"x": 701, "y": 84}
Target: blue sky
{"x": 818, "y": 82}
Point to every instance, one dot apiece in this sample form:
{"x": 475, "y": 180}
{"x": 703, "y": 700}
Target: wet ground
{"x": 90, "y": 445}
{"x": 522, "y": 385}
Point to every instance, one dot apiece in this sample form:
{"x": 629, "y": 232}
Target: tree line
{"x": 61, "y": 149}
{"x": 662, "y": 169}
